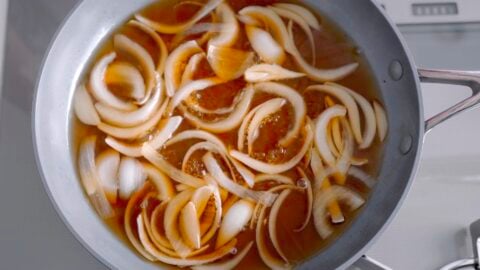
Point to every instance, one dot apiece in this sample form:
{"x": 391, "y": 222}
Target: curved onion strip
{"x": 131, "y": 118}
{"x": 282, "y": 179}
{"x": 295, "y": 99}
{"x": 302, "y": 12}
{"x": 174, "y": 65}
{"x": 214, "y": 169}
{"x": 195, "y": 134}
{"x": 242, "y": 130}
{"x": 366, "y": 179}
{"x": 344, "y": 162}
{"x": 107, "y": 164}
{"x": 229, "y": 63}
{"x": 123, "y": 73}
{"x": 265, "y": 45}
{"x": 84, "y": 108}
{"x": 266, "y": 109}
{"x": 217, "y": 218}
{"x": 382, "y": 122}
{"x": 99, "y": 88}
{"x": 231, "y": 121}
{"x": 230, "y": 29}
{"x": 161, "y": 181}
{"x": 127, "y": 149}
{"x": 168, "y": 128}
{"x": 321, "y": 132}
{"x": 173, "y": 29}
{"x": 203, "y": 27}
{"x": 186, "y": 90}
{"x": 224, "y": 110}
{"x": 189, "y": 225}
{"x": 309, "y": 199}
{"x": 265, "y": 167}
{"x": 200, "y": 198}
{"x": 181, "y": 187}
{"x": 90, "y": 178}
{"x": 156, "y": 159}
{"x": 128, "y": 217}
{"x": 141, "y": 57}
{"x": 247, "y": 175}
{"x": 268, "y": 72}
{"x": 157, "y": 237}
{"x": 228, "y": 264}
{"x": 234, "y": 220}
{"x": 321, "y": 200}
{"x": 229, "y": 202}
{"x": 174, "y": 207}
{"x": 136, "y": 131}
{"x": 191, "y": 68}
{"x": 336, "y": 143}
{"x": 290, "y": 15}
{"x": 130, "y": 177}
{"x": 347, "y": 100}
{"x": 272, "y": 222}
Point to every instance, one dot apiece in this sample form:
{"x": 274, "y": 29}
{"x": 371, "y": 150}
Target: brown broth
{"x": 333, "y": 49}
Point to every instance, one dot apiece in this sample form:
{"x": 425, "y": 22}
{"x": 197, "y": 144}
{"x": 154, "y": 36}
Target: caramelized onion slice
{"x": 321, "y": 132}
{"x": 265, "y": 45}
{"x": 230, "y": 29}
{"x": 272, "y": 222}
{"x": 174, "y": 207}
{"x": 382, "y": 122}
{"x": 177, "y": 28}
{"x": 186, "y": 90}
{"x": 189, "y": 226}
{"x": 268, "y": 72}
{"x": 107, "y": 164}
{"x": 234, "y": 221}
{"x": 228, "y": 264}
{"x": 163, "y": 184}
{"x": 130, "y": 176}
{"x": 229, "y": 63}
{"x": 84, "y": 108}
{"x": 123, "y": 73}
{"x": 191, "y": 68}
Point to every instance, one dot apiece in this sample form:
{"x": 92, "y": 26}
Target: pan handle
{"x": 467, "y": 78}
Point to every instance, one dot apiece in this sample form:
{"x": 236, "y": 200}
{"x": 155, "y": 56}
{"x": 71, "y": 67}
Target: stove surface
{"x": 428, "y": 232}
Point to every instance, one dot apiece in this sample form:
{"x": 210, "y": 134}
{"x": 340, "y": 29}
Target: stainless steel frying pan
{"x": 363, "y": 20}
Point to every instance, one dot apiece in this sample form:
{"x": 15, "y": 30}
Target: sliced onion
{"x": 84, "y": 108}
{"x": 268, "y": 72}
{"x": 196, "y": 134}
{"x": 219, "y": 111}
{"x": 169, "y": 127}
{"x": 247, "y": 175}
{"x": 173, "y": 29}
{"x": 136, "y": 53}
{"x": 229, "y": 63}
{"x": 174, "y": 207}
{"x": 99, "y": 88}
{"x": 191, "y": 68}
{"x": 266, "y": 109}
{"x": 131, "y": 118}
{"x": 272, "y": 222}
{"x": 182, "y": 187}
{"x": 107, "y": 164}
{"x": 199, "y": 146}
{"x": 189, "y": 226}
{"x": 230, "y": 29}
{"x": 344, "y": 161}
{"x": 228, "y": 264}
{"x": 201, "y": 197}
{"x": 242, "y": 130}
{"x": 295, "y": 99}
{"x": 309, "y": 192}
{"x": 123, "y": 73}
{"x": 382, "y": 122}
{"x": 215, "y": 224}
{"x": 265, "y": 167}
{"x": 337, "y": 143}
{"x": 127, "y": 149}
{"x": 90, "y": 178}
{"x": 265, "y": 45}
{"x": 321, "y": 200}
{"x": 175, "y": 63}
{"x": 157, "y": 237}
{"x": 234, "y": 220}
{"x": 231, "y": 121}
{"x": 366, "y": 179}
{"x": 161, "y": 181}
{"x": 321, "y": 132}
{"x": 282, "y": 179}
{"x": 130, "y": 176}
{"x": 156, "y": 159}
{"x": 186, "y": 90}
{"x": 229, "y": 202}
{"x": 248, "y": 20}
{"x": 302, "y": 12}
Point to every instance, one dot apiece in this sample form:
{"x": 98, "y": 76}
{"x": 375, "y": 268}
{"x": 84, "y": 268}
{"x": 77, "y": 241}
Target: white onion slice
{"x": 282, "y": 179}
{"x": 205, "y": 145}
{"x": 168, "y": 128}
{"x": 174, "y": 65}
{"x": 272, "y": 222}
{"x": 186, "y": 90}
{"x": 231, "y": 121}
{"x": 265, "y": 167}
{"x": 309, "y": 192}
{"x": 344, "y": 161}
{"x": 123, "y": 73}
{"x": 156, "y": 222}
{"x": 90, "y": 177}
{"x": 161, "y": 181}
{"x": 181, "y": 187}
{"x": 215, "y": 224}
{"x": 173, "y": 29}
{"x": 233, "y": 222}
{"x": 247, "y": 175}
{"x": 265, "y": 45}
{"x": 230, "y": 29}
{"x": 229, "y": 264}
{"x": 130, "y": 176}
{"x": 200, "y": 198}
{"x": 84, "y": 108}
{"x": 295, "y": 99}
{"x": 191, "y": 68}
{"x": 189, "y": 226}
{"x": 266, "y": 109}
{"x": 302, "y": 12}
{"x": 321, "y": 132}
{"x": 99, "y": 88}
{"x": 127, "y": 149}
{"x": 174, "y": 207}
{"x": 229, "y": 63}
{"x": 242, "y": 130}
{"x": 382, "y": 122}
{"x": 268, "y": 72}
{"x": 107, "y": 164}
{"x": 368, "y": 180}
{"x": 196, "y": 134}
{"x": 321, "y": 200}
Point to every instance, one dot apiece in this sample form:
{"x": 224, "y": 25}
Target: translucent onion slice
{"x": 229, "y": 202}
{"x": 295, "y": 99}
{"x": 242, "y": 130}
{"x": 123, "y": 73}
{"x": 182, "y": 187}
{"x": 90, "y": 177}
{"x": 268, "y": 72}
{"x": 130, "y": 176}
{"x": 172, "y": 212}
{"x": 234, "y": 221}
{"x": 189, "y": 226}
{"x": 229, "y": 63}
{"x": 99, "y": 88}
{"x": 157, "y": 219}
{"x": 382, "y": 122}
{"x": 265, "y": 167}
{"x": 84, "y": 108}
{"x": 140, "y": 56}
{"x": 107, "y": 164}
{"x": 230, "y": 29}
{"x": 175, "y": 63}
{"x": 266, "y": 109}
{"x": 336, "y": 143}
{"x": 366, "y": 179}
{"x": 302, "y": 12}
{"x": 321, "y": 200}
{"x": 191, "y": 68}
{"x": 348, "y": 101}
{"x": 344, "y": 161}
{"x": 232, "y": 121}
{"x": 163, "y": 184}
{"x": 131, "y": 118}
{"x": 201, "y": 197}
{"x": 156, "y": 159}
{"x": 282, "y": 179}
{"x": 229, "y": 264}
{"x": 321, "y": 132}
{"x": 272, "y": 222}
{"x": 265, "y": 45}
{"x": 177, "y": 28}
{"x": 186, "y": 90}
{"x": 202, "y": 27}
{"x": 309, "y": 192}
{"x": 215, "y": 224}
{"x": 136, "y": 131}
